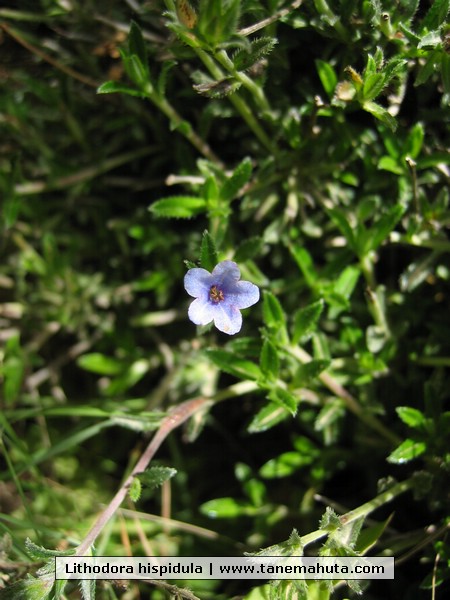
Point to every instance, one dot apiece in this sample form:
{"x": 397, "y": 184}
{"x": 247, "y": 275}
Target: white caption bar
{"x": 227, "y": 567}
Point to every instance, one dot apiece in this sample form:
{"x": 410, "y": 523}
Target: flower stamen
{"x": 215, "y": 294}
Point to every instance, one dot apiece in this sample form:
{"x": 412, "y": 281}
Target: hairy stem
{"x": 363, "y": 510}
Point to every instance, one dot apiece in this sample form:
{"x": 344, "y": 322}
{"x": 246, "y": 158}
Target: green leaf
{"x": 388, "y": 163}
{"x": 238, "y": 179}
{"x": 273, "y": 314}
{"x": 232, "y": 364}
{"x": 393, "y": 68}
{"x": 218, "y": 20}
{"x": 162, "y": 78}
{"x": 181, "y": 207}
{"x": 305, "y": 263}
{"x": 411, "y": 416}
{"x": 371, "y": 66}
{"x": 137, "y": 46}
{"x": 154, "y": 477}
{"x": 436, "y": 15}
{"x": 135, "y": 70}
{"x": 100, "y": 363}
{"x": 327, "y": 76}
{"x": 31, "y": 588}
{"x": 208, "y": 252}
{"x": 340, "y": 220}
{"x": 218, "y": 89}
{"x": 380, "y": 113}
{"x": 285, "y": 464}
{"x": 445, "y": 72}
{"x": 135, "y": 489}
{"x": 407, "y": 451}
{"x": 269, "y": 361}
{"x": 11, "y": 210}
{"x": 380, "y": 231}
{"x": 243, "y": 59}
{"x": 430, "y": 41}
{"x": 373, "y": 85}
{"x": 227, "y": 508}
{"x": 429, "y": 68}
{"x": 347, "y": 281}
{"x": 330, "y": 520}
{"x": 12, "y": 370}
{"x": 305, "y": 321}
{"x": 267, "y": 417}
{"x": 311, "y": 370}
{"x": 285, "y": 399}
{"x": 248, "y": 249}
{"x": 369, "y": 537}
{"x": 115, "y": 87}
{"x": 39, "y": 552}
{"x": 132, "y": 375}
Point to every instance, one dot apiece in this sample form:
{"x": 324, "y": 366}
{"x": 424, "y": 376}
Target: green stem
{"x": 240, "y": 104}
{"x": 184, "y": 127}
{"x": 257, "y": 92}
{"x": 363, "y": 510}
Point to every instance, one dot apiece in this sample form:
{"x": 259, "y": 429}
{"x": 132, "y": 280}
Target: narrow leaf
{"x": 284, "y": 465}
{"x": 248, "y": 249}
{"x": 285, "y": 398}
{"x": 208, "y": 252}
{"x": 136, "y": 45}
{"x": 272, "y": 311}
{"x": 154, "y": 477}
{"x": 269, "y": 361}
{"x": 100, "y": 363}
{"x": 380, "y": 113}
{"x": 407, "y": 451}
{"x": 115, "y": 87}
{"x": 327, "y": 76}
{"x": 182, "y": 207}
{"x": 218, "y": 89}
{"x": 411, "y": 416}
{"x": 305, "y": 321}
{"x": 238, "y": 179}
{"x": 373, "y": 85}
{"x": 384, "y": 226}
{"x": 270, "y": 415}
{"x": 135, "y": 489}
{"x": 311, "y": 370}
{"x": 340, "y": 220}
{"x": 232, "y": 364}
{"x": 436, "y": 15}
{"x": 305, "y": 263}
{"x": 244, "y": 59}
{"x": 226, "y": 508}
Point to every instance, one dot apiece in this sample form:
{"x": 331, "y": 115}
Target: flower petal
{"x": 197, "y": 282}
{"x": 243, "y": 295}
{"x": 227, "y": 318}
{"x": 226, "y": 274}
{"x": 201, "y": 312}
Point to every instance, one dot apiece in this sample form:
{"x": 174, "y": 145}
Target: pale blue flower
{"x": 219, "y": 296}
